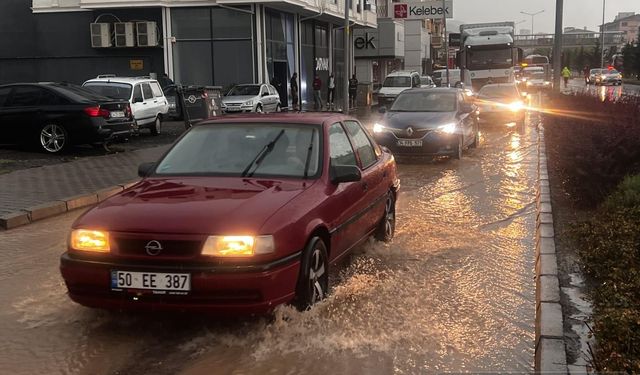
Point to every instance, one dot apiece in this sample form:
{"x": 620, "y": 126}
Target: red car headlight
{"x": 90, "y": 240}
{"x": 238, "y": 246}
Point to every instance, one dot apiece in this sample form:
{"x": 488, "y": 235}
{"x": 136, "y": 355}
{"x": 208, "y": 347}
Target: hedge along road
{"x": 453, "y": 292}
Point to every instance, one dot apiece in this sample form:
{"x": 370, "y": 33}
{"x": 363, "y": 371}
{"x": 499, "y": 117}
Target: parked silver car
{"x": 252, "y": 98}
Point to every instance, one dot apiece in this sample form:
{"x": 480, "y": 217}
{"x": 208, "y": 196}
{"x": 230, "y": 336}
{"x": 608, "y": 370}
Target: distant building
{"x": 627, "y": 23}
{"x": 525, "y": 31}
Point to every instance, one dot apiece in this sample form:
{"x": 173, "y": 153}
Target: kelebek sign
{"x": 423, "y": 10}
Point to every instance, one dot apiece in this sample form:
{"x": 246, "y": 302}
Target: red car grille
{"x": 149, "y": 247}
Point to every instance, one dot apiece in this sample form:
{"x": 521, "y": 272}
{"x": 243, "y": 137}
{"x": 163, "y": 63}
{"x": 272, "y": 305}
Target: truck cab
{"x": 487, "y": 54}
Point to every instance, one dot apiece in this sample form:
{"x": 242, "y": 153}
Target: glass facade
{"x": 280, "y": 51}
{"x": 214, "y": 46}
{"x": 314, "y": 42}
{"x": 338, "y": 63}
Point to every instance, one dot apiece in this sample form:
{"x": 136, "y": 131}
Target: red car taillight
{"x": 127, "y": 111}
{"x": 97, "y": 112}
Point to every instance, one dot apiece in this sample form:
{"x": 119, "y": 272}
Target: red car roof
{"x": 311, "y": 118}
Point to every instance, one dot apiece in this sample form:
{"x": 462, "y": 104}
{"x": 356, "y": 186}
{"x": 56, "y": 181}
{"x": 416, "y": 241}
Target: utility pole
{"x": 347, "y": 61}
{"x": 604, "y": 7}
{"x": 446, "y": 40}
{"x": 557, "y": 47}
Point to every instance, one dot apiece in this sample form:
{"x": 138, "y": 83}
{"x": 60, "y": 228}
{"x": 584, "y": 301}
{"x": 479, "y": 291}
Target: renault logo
{"x": 153, "y": 248}
{"x": 409, "y": 131}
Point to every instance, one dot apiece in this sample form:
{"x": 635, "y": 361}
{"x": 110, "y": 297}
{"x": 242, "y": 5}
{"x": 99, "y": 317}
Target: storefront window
{"x": 214, "y": 46}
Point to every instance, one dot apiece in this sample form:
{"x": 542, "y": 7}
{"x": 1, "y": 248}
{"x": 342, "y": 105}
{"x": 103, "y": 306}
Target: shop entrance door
{"x": 280, "y": 73}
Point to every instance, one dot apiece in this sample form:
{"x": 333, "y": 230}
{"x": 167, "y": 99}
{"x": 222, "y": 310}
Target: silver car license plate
{"x": 151, "y": 281}
{"x": 117, "y": 114}
{"x": 410, "y": 142}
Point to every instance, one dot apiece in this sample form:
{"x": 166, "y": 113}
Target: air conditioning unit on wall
{"x": 100, "y": 35}
{"x": 124, "y": 34}
{"x": 147, "y": 34}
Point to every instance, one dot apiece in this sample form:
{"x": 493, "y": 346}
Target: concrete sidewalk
{"x": 33, "y": 194}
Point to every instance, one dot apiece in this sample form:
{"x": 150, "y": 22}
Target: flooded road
{"x": 454, "y": 292}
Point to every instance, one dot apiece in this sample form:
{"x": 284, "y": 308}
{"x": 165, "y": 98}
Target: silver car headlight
{"x": 448, "y": 128}
{"x": 248, "y": 103}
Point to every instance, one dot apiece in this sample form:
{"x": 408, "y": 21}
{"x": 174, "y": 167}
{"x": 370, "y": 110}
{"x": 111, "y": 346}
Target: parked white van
{"x": 394, "y": 84}
{"x": 147, "y": 100}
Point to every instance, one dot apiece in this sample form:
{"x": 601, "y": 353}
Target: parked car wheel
{"x": 278, "y": 109}
{"x": 259, "y": 109}
{"x": 459, "y": 149}
{"x": 387, "y": 227}
{"x": 313, "y": 281}
{"x": 156, "y": 127}
{"x": 53, "y": 138}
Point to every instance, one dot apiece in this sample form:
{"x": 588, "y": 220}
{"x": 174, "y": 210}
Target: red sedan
{"x": 240, "y": 215}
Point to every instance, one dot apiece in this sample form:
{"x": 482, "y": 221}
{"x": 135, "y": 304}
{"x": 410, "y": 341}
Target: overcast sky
{"x": 577, "y": 13}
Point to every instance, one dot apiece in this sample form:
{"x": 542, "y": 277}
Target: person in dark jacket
{"x": 353, "y": 91}
{"x": 294, "y": 91}
{"x": 317, "y": 93}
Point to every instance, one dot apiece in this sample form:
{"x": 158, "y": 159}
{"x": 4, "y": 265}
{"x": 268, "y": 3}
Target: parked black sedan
{"x": 53, "y": 116}
{"x": 429, "y": 122}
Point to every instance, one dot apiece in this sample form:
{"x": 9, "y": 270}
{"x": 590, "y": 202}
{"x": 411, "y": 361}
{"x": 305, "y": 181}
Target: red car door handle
{"x": 365, "y": 187}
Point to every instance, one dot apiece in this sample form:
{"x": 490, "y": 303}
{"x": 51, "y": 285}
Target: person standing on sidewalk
{"x": 353, "y": 90}
{"x": 317, "y": 93}
{"x": 294, "y": 91}
{"x": 331, "y": 93}
{"x": 566, "y": 74}
{"x": 586, "y": 72}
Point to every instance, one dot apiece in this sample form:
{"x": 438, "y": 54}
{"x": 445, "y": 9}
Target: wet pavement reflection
{"x": 453, "y": 292}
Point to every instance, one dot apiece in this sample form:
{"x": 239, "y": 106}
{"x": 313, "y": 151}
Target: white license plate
{"x": 150, "y": 281}
{"x": 410, "y": 142}
{"x": 117, "y": 114}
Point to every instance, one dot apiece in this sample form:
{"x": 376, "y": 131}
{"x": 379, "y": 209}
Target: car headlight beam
{"x": 237, "y": 246}
{"x": 448, "y": 128}
{"x": 516, "y": 106}
{"x": 90, "y": 240}
{"x": 377, "y": 128}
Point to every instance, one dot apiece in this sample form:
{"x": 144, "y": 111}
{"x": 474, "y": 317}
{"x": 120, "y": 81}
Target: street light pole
{"x": 557, "y": 47}
{"x": 532, "y": 15}
{"x": 347, "y": 51}
{"x": 446, "y": 40}
{"x": 604, "y": 7}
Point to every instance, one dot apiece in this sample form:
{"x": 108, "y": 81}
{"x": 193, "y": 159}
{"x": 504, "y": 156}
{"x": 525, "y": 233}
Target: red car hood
{"x": 193, "y": 205}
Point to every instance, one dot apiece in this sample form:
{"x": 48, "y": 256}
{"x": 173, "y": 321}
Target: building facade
{"x": 195, "y": 42}
{"x": 628, "y": 23}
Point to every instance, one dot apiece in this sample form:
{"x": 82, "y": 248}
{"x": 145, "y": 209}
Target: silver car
{"x": 252, "y": 98}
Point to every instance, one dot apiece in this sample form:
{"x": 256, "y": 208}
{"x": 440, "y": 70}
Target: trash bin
{"x": 200, "y": 103}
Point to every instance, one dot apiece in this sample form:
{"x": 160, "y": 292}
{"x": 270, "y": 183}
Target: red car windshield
{"x": 258, "y": 150}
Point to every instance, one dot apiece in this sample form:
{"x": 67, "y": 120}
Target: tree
{"x": 596, "y": 56}
{"x": 629, "y": 53}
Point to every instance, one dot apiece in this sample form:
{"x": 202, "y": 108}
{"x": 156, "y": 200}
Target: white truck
{"x": 487, "y": 53}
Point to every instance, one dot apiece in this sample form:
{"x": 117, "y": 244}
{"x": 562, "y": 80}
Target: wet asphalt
{"x": 454, "y": 292}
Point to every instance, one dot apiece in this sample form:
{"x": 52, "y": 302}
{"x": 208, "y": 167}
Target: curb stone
{"x": 550, "y": 350}
{"x": 57, "y": 207}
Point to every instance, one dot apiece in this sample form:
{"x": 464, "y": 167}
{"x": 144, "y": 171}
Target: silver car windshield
{"x": 421, "y": 101}
{"x": 237, "y": 149}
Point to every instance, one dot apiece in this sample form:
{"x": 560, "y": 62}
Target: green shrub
{"x": 609, "y": 248}
{"x": 592, "y": 144}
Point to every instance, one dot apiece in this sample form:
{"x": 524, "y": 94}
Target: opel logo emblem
{"x": 153, "y": 248}
{"x": 410, "y": 131}
{"x": 192, "y": 99}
